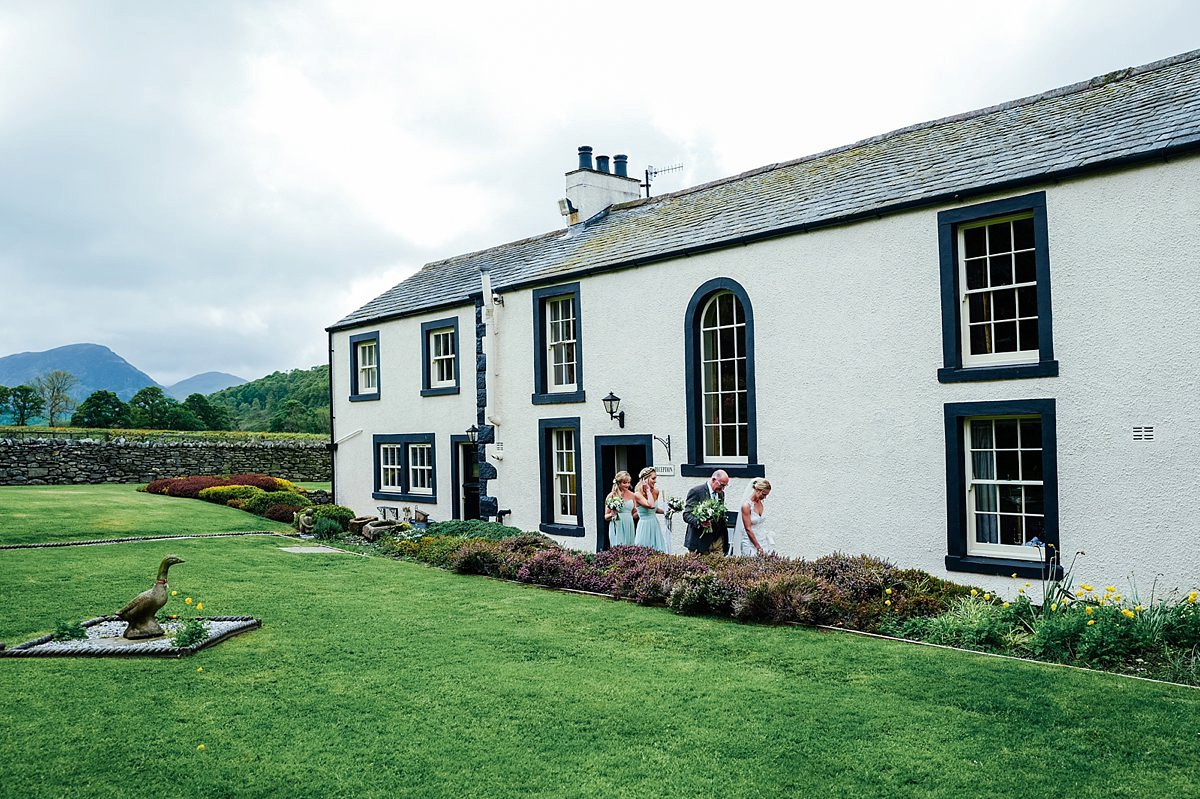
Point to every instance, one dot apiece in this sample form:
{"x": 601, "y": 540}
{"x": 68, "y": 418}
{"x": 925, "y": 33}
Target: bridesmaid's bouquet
{"x": 674, "y": 505}
{"x": 708, "y": 510}
{"x": 614, "y": 504}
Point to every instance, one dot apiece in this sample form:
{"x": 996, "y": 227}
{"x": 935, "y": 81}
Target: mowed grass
{"x": 34, "y": 514}
{"x": 378, "y": 678}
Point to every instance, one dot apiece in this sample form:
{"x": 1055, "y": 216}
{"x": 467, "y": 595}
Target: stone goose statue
{"x": 142, "y": 608}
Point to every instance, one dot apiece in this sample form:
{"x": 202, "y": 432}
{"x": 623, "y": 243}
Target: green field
{"x": 32, "y": 514}
{"x": 378, "y": 678}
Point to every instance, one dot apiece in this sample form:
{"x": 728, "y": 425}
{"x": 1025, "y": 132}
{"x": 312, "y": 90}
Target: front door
{"x": 617, "y": 454}
{"x": 466, "y": 478}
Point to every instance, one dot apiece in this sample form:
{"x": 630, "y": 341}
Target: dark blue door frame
{"x": 604, "y": 474}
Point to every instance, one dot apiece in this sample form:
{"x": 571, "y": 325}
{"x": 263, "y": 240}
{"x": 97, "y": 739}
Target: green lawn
{"x": 30, "y": 514}
{"x": 373, "y": 677}
{"x": 308, "y": 486}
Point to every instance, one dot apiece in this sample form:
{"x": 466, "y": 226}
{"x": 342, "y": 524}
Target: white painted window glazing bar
{"x": 441, "y": 358}
{"x": 561, "y": 344}
{"x": 566, "y": 510}
{"x": 724, "y": 393}
{"x": 368, "y": 367}
{"x": 420, "y": 469}
{"x": 391, "y": 467}
{"x": 998, "y": 291}
{"x": 1005, "y": 487}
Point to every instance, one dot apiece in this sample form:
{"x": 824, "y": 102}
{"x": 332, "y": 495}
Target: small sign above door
{"x": 667, "y": 470}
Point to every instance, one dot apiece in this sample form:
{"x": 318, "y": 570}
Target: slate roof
{"x": 1126, "y": 116}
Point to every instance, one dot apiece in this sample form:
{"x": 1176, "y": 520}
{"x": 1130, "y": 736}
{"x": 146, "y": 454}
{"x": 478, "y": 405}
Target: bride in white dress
{"x": 750, "y": 535}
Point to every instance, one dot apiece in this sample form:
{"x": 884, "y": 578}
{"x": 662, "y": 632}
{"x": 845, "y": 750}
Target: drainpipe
{"x": 490, "y": 346}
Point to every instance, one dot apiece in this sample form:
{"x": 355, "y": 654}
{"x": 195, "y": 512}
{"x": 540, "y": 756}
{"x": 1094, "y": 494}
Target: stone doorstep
{"x": 222, "y": 627}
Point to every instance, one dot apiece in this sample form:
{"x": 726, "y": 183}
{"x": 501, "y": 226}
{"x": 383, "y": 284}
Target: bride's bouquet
{"x": 708, "y": 510}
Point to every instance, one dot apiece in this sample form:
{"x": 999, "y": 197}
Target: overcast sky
{"x": 208, "y": 185}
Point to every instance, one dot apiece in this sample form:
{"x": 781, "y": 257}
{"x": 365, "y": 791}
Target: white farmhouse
{"x": 939, "y": 344}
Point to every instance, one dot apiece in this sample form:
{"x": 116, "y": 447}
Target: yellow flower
{"x": 1110, "y": 589}
{"x": 1084, "y": 587}
{"x": 888, "y": 591}
{"x": 188, "y": 600}
{"x": 987, "y": 596}
{"x": 1139, "y": 607}
{"x": 1026, "y": 583}
{"x": 974, "y": 592}
{"x": 174, "y": 593}
{"x": 1091, "y": 621}
{"x": 199, "y": 606}
{"x": 199, "y": 668}
{"x": 200, "y": 746}
{"x": 1014, "y": 575}
{"x": 887, "y": 602}
{"x": 1192, "y": 596}
{"x": 1127, "y": 613}
{"x": 1088, "y": 610}
{"x": 1054, "y": 607}
{"x": 1116, "y": 597}
{"x": 1005, "y": 604}
{"x": 1020, "y": 590}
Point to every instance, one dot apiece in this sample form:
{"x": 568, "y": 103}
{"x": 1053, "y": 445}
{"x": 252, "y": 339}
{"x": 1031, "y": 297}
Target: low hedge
{"x": 282, "y": 513}
{"x": 260, "y": 502}
{"x": 222, "y": 494}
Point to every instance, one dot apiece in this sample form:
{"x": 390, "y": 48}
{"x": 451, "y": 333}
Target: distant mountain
{"x": 96, "y": 367}
{"x": 205, "y": 383}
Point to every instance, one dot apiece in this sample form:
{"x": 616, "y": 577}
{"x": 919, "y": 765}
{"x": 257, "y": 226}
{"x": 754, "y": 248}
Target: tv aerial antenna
{"x": 654, "y": 171}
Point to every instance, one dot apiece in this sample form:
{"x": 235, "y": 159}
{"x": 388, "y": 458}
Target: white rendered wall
{"x": 400, "y": 409}
{"x": 849, "y": 408}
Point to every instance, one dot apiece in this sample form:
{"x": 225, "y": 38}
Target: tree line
{"x": 283, "y": 402}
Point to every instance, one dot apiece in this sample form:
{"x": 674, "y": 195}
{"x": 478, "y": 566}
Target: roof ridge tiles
{"x": 1062, "y": 91}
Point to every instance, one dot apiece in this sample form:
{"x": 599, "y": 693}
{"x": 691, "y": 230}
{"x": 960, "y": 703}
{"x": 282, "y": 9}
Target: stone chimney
{"x": 591, "y": 189}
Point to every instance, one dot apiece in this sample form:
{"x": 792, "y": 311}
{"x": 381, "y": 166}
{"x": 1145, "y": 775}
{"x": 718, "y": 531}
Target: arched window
{"x": 719, "y": 343}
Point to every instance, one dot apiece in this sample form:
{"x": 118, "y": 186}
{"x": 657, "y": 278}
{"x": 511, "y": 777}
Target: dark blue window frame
{"x": 426, "y": 377}
{"x": 541, "y": 394}
{"x": 406, "y": 439}
{"x": 953, "y": 370}
{"x": 355, "y": 340}
{"x": 697, "y": 466}
{"x": 957, "y": 558}
{"x": 546, "y": 471}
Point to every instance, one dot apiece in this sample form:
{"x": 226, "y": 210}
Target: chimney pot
{"x": 602, "y": 163}
{"x": 585, "y": 157}
{"x": 620, "y": 166}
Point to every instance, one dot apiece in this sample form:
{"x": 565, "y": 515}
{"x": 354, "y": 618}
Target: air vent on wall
{"x": 1144, "y": 433}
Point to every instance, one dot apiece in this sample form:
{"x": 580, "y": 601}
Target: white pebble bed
{"x": 105, "y": 638}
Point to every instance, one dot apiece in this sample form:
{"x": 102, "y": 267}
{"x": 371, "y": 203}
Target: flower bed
{"x": 1109, "y": 631}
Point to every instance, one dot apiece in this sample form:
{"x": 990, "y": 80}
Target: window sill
{"x": 559, "y": 397}
{"x": 732, "y": 469}
{"x": 439, "y": 392}
{"x": 428, "y": 499}
{"x": 364, "y": 397}
{"x": 573, "y": 530}
{"x": 1014, "y": 371}
{"x": 977, "y": 564}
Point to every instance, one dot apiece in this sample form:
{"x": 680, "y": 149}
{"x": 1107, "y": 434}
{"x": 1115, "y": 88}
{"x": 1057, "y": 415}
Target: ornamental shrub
{"x": 240, "y": 504}
{"x": 282, "y": 513}
{"x": 1181, "y": 627}
{"x": 158, "y": 486}
{"x": 778, "y": 599}
{"x": 265, "y": 482}
{"x": 472, "y": 528}
{"x": 327, "y": 529}
{"x": 222, "y": 494}
{"x": 477, "y": 556}
{"x": 339, "y": 514}
{"x": 558, "y": 568}
{"x": 260, "y": 502}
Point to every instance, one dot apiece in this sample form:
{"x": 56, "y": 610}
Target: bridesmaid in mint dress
{"x": 620, "y": 522}
{"x": 649, "y": 533}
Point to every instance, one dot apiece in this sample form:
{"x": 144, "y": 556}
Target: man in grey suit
{"x": 709, "y": 537}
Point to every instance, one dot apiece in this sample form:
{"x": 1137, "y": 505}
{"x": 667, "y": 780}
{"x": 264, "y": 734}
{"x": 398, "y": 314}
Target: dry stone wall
{"x": 63, "y": 461}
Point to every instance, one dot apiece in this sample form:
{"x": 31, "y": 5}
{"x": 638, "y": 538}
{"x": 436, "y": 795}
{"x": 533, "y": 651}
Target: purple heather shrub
{"x": 557, "y": 568}
{"x": 783, "y": 598}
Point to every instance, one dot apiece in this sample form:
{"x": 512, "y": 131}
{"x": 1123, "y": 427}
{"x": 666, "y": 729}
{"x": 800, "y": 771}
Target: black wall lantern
{"x": 473, "y": 434}
{"x": 611, "y": 403}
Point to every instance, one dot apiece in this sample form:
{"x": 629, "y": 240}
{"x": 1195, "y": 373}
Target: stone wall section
{"x": 62, "y": 461}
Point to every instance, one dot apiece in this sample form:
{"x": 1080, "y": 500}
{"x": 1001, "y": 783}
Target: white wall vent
{"x": 1144, "y": 433}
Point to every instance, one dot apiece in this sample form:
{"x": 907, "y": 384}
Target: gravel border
{"x": 133, "y": 539}
{"x": 152, "y": 648}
